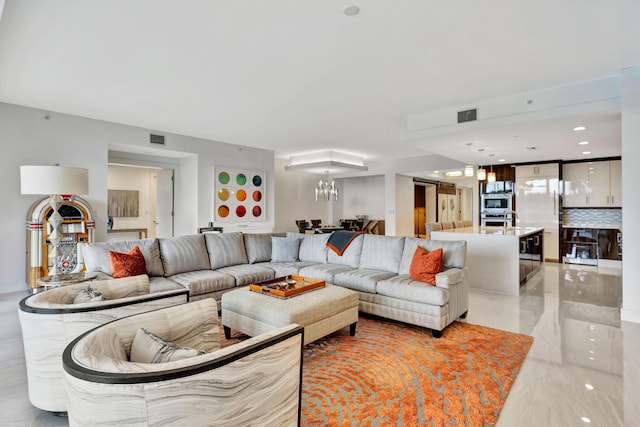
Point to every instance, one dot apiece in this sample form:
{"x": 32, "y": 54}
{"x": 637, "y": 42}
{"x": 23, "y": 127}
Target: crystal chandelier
{"x": 326, "y": 190}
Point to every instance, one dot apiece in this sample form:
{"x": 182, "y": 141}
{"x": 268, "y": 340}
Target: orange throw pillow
{"x": 129, "y": 264}
{"x": 425, "y": 265}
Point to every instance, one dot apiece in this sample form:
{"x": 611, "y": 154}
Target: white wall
{"x": 363, "y": 196}
{"x": 630, "y": 87}
{"x": 404, "y": 202}
{"x": 294, "y": 198}
{"x": 32, "y": 136}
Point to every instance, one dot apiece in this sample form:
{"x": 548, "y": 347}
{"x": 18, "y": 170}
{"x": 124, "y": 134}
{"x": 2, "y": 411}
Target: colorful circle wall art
{"x": 239, "y": 195}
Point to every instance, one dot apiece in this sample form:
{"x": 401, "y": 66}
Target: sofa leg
{"x": 352, "y": 329}
{"x": 227, "y": 332}
{"x": 436, "y": 334}
{"x": 464, "y": 315}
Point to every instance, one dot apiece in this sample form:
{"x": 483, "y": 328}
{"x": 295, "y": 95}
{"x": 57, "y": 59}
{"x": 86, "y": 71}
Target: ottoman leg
{"x": 352, "y": 329}
{"x": 227, "y": 332}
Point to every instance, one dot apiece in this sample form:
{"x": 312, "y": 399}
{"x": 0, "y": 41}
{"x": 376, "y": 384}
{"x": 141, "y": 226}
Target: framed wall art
{"x": 123, "y": 203}
{"x": 239, "y": 195}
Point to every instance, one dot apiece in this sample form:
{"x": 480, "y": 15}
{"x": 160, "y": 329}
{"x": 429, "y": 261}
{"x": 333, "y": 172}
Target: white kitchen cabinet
{"x": 593, "y": 184}
{"x": 545, "y": 169}
{"x": 576, "y": 185}
{"x": 536, "y": 195}
{"x": 615, "y": 183}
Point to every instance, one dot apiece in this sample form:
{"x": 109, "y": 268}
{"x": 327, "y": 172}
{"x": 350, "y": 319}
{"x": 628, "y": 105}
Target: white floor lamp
{"x": 54, "y": 180}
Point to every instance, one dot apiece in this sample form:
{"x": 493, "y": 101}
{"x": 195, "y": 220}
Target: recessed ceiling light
{"x": 586, "y": 152}
{"x": 351, "y": 10}
{"x": 585, "y": 420}
{"x": 501, "y": 160}
{"x": 579, "y": 128}
{"x": 583, "y": 142}
{"x": 588, "y": 386}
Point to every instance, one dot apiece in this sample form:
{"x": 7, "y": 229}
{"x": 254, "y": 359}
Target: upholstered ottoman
{"x": 321, "y": 312}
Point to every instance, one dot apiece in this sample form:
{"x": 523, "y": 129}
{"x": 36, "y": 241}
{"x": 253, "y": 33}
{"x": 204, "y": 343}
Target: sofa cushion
{"x": 363, "y": 280}
{"x": 226, "y": 249}
{"x": 204, "y": 281}
{"x": 350, "y": 256}
{"x": 381, "y": 252}
{"x": 96, "y": 255}
{"x": 125, "y": 287}
{"x": 183, "y": 253}
{"x": 403, "y": 287}
{"x": 248, "y": 273}
{"x": 284, "y": 249}
{"x": 282, "y": 269}
{"x": 258, "y": 246}
{"x": 454, "y": 253}
{"x": 125, "y": 265}
{"x": 313, "y": 247}
{"x": 324, "y": 272}
{"x": 425, "y": 265}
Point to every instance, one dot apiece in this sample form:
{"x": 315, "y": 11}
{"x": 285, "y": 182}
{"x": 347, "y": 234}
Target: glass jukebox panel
{"x": 73, "y": 232}
{"x": 77, "y": 227}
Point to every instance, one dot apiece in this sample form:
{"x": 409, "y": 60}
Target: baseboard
{"x": 629, "y": 315}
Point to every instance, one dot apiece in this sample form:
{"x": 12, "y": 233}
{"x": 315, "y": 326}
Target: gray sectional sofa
{"x": 375, "y": 266}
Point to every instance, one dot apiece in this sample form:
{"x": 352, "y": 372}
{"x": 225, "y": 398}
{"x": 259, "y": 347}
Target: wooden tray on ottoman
{"x": 278, "y": 287}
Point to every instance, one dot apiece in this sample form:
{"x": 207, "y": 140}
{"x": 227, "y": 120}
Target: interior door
{"x": 164, "y": 203}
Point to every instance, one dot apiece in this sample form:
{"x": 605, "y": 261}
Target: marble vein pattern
{"x": 261, "y": 388}
{"x": 45, "y": 335}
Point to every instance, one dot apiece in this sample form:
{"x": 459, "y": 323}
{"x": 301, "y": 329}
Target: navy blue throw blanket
{"x": 339, "y": 240}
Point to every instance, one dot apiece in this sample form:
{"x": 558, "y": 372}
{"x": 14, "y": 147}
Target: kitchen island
{"x": 499, "y": 260}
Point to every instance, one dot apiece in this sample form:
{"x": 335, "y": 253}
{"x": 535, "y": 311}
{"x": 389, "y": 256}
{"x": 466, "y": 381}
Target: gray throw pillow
{"x": 284, "y": 249}
{"x": 87, "y": 295}
{"x": 149, "y": 348}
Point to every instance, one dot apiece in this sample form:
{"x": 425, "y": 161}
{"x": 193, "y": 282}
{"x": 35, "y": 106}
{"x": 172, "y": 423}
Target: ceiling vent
{"x": 468, "y": 115}
{"x": 157, "y": 139}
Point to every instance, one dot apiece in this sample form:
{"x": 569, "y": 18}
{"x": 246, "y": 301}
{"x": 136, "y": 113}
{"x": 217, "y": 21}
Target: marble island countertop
{"x": 511, "y": 231}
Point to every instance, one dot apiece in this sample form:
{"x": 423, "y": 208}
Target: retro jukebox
{"x": 77, "y": 227}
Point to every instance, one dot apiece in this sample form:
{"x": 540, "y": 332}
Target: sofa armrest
{"x": 456, "y": 282}
{"x": 449, "y": 277}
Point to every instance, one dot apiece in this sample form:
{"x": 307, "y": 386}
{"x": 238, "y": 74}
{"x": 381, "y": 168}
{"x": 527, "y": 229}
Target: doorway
{"x": 154, "y": 191}
{"x": 425, "y": 207}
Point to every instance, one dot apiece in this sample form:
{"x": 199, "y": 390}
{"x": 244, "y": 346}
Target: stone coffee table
{"x": 320, "y": 311}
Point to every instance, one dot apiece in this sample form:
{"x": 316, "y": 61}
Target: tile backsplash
{"x": 606, "y": 218}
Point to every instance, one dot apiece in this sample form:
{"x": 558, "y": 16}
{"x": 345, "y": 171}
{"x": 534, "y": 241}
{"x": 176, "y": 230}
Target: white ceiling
{"x": 297, "y": 76}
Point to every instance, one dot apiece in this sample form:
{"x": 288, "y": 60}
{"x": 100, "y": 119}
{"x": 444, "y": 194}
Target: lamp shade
{"x": 53, "y": 180}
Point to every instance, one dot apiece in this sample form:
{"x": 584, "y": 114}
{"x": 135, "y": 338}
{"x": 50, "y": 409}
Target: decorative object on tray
{"x": 287, "y": 286}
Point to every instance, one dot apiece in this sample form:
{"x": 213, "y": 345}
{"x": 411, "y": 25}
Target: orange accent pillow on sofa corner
{"x": 129, "y": 264}
{"x": 425, "y": 265}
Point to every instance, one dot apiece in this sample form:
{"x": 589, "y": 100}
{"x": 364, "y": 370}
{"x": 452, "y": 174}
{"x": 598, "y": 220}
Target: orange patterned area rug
{"x": 393, "y": 374}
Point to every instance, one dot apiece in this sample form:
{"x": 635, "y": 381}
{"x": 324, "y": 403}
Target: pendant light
{"x": 491, "y": 176}
{"x": 326, "y": 190}
{"x": 482, "y": 174}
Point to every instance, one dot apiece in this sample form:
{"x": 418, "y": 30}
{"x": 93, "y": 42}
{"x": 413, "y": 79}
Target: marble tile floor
{"x": 583, "y": 368}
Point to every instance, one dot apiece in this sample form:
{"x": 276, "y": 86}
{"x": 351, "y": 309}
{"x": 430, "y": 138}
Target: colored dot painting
{"x": 237, "y": 197}
{"x": 223, "y": 178}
